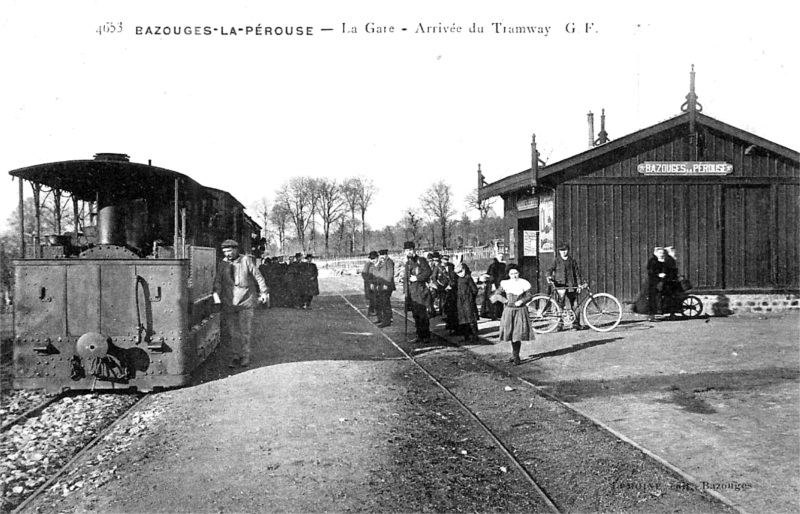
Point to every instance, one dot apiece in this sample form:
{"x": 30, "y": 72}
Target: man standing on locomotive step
{"x": 239, "y": 286}
{"x": 565, "y": 273}
{"x": 416, "y": 292}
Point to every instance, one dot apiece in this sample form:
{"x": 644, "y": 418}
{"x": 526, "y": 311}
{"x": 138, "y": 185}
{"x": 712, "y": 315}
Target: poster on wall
{"x": 512, "y": 243}
{"x": 529, "y": 243}
{"x": 546, "y": 232}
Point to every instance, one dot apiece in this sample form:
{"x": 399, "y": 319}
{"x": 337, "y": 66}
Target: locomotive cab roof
{"x": 106, "y": 173}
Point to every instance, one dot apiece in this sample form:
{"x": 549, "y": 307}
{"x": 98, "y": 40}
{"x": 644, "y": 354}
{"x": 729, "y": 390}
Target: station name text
{"x": 369, "y": 28}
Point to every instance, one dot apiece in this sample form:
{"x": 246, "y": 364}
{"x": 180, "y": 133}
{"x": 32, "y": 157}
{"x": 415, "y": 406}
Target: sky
{"x": 242, "y": 111}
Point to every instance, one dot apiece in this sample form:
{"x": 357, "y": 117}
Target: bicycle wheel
{"x": 691, "y": 307}
{"x": 545, "y": 314}
{"x": 602, "y": 312}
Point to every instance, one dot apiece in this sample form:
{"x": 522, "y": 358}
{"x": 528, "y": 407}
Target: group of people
{"x": 434, "y": 286}
{"x": 378, "y": 275}
{"x": 292, "y": 284}
{"x": 663, "y": 284}
{"x": 241, "y": 285}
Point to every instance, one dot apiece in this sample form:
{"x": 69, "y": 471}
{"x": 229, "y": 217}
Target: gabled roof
{"x": 608, "y": 153}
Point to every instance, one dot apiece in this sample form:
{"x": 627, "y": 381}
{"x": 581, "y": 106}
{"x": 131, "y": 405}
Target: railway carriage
{"x": 124, "y": 300}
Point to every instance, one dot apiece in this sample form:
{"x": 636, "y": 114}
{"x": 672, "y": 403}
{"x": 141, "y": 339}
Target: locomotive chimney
{"x": 590, "y": 117}
{"x": 111, "y": 212}
{"x": 119, "y": 157}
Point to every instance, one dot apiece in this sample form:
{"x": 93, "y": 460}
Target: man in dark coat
{"x": 295, "y": 284}
{"x": 367, "y": 273}
{"x": 309, "y": 277}
{"x": 496, "y": 273}
{"x": 416, "y": 292}
{"x": 383, "y": 273}
{"x": 565, "y": 273}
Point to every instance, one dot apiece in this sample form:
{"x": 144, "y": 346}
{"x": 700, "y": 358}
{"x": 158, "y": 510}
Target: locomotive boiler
{"x": 124, "y": 301}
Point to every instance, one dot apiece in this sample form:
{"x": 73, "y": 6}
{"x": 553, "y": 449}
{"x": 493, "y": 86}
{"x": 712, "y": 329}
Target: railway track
{"x": 39, "y": 446}
{"x": 546, "y": 501}
{"x": 572, "y": 462}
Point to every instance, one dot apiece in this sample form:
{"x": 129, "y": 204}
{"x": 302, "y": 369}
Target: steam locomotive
{"x": 124, "y": 301}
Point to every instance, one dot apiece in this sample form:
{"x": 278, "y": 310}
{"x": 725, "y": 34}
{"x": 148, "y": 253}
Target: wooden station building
{"x": 726, "y": 199}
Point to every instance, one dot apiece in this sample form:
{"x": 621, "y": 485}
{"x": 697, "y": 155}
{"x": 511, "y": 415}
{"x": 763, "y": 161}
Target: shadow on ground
{"x": 682, "y": 387}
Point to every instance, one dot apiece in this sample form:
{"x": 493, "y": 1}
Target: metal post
{"x": 183, "y": 233}
{"x": 175, "y": 240}
{"x": 21, "y": 221}
{"x": 37, "y": 213}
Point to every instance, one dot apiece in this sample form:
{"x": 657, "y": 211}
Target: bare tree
{"x": 350, "y": 192}
{"x": 484, "y": 207}
{"x": 295, "y": 196}
{"x": 365, "y": 191}
{"x": 261, "y": 210}
{"x": 279, "y": 216}
{"x": 313, "y": 185}
{"x": 437, "y": 202}
{"x": 330, "y": 206}
{"x": 412, "y": 221}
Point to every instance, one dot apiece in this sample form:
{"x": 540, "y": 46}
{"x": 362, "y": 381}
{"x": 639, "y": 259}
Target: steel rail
{"x": 32, "y": 412}
{"x": 542, "y": 494}
{"x": 91, "y": 444}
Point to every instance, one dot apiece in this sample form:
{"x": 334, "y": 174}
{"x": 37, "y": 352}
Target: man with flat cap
{"x": 383, "y": 274}
{"x": 565, "y": 276}
{"x": 416, "y": 292}
{"x": 238, "y": 286}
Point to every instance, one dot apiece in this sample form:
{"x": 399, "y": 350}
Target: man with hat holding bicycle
{"x": 239, "y": 287}
{"x": 565, "y": 273}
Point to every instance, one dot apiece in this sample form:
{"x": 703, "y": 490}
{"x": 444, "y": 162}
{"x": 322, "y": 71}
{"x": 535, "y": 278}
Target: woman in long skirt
{"x": 515, "y": 324}
{"x": 467, "y": 293}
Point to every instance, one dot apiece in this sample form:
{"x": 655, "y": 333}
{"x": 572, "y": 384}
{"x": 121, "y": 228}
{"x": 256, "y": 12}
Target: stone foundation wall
{"x": 725, "y": 305}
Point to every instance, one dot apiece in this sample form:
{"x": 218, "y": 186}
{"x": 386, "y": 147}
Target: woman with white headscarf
{"x": 515, "y": 324}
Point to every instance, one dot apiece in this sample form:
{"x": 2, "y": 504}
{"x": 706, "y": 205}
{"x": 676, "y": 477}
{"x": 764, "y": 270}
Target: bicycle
{"x": 601, "y": 311}
{"x": 683, "y": 303}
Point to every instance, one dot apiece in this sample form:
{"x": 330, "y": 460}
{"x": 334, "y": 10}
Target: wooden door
{"x": 747, "y": 257}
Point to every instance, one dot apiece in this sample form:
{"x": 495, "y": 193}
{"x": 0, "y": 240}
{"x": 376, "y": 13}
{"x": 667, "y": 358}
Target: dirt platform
{"x": 351, "y": 426}
{"x": 717, "y": 397}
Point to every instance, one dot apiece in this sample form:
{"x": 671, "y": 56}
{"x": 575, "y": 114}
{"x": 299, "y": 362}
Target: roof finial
{"x": 602, "y": 135}
{"x": 691, "y": 105}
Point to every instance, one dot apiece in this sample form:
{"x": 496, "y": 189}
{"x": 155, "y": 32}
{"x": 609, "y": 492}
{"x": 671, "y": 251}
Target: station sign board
{"x": 684, "y": 168}
{"x": 528, "y": 202}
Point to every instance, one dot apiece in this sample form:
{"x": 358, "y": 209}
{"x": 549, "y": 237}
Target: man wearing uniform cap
{"x": 383, "y": 278}
{"x": 238, "y": 286}
{"x": 417, "y": 274}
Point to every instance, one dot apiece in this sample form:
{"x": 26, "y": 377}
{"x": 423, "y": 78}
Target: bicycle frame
{"x": 601, "y": 311}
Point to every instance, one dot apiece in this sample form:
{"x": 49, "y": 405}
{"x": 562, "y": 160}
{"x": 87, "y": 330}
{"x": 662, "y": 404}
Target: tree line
{"x": 330, "y": 217}
{"x": 324, "y": 216}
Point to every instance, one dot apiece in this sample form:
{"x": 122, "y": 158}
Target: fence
{"x": 469, "y": 254}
